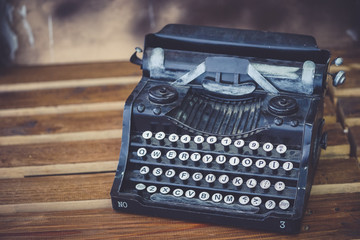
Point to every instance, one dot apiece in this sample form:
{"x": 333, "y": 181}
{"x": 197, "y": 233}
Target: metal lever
{"x": 339, "y": 77}
{"x": 134, "y": 58}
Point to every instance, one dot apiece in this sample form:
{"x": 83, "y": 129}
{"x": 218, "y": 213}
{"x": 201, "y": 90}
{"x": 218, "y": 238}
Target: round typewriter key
{"x": 254, "y": 145}
{"x": 190, "y": 193}
{"x": 210, "y": 178}
{"x": 220, "y": 159}
{"x": 223, "y": 179}
{"x": 141, "y": 152}
{"x": 247, "y": 162}
{"x": 184, "y": 175}
{"x": 260, "y": 164}
{"x": 229, "y": 199}
{"x": 171, "y": 154}
{"x": 165, "y": 190}
{"x": 151, "y": 189}
{"x": 268, "y": 147}
{"x": 197, "y": 176}
{"x": 170, "y": 173}
{"x": 156, "y": 154}
{"x": 173, "y": 137}
{"x": 279, "y": 186}
{"x": 288, "y": 166}
{"x": 256, "y": 201}
{"x": 239, "y": 143}
{"x": 178, "y": 192}
{"x": 195, "y": 157}
{"x": 207, "y": 158}
{"x": 251, "y": 183}
{"x": 199, "y": 139}
{"x": 183, "y": 156}
{"x": 270, "y": 204}
{"x": 185, "y": 139}
{"x": 244, "y": 200}
{"x": 284, "y": 204}
{"x": 234, "y": 161}
{"x": 265, "y": 184}
{"x": 216, "y": 197}
{"x": 147, "y": 134}
{"x": 159, "y": 136}
{"x": 157, "y": 172}
{"x": 211, "y": 139}
{"x": 237, "y": 181}
{"x": 274, "y": 165}
{"x": 204, "y": 196}
{"x": 226, "y": 141}
{"x": 144, "y": 170}
{"x": 140, "y": 186}
{"x": 281, "y": 148}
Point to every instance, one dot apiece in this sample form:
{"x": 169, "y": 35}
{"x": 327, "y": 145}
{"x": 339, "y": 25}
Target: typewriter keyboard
{"x": 220, "y": 172}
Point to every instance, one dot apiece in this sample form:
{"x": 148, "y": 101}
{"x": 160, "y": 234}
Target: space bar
{"x": 170, "y": 200}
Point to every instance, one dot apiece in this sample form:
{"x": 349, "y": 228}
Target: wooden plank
{"x": 59, "y": 152}
{"x": 23, "y": 74}
{"x": 329, "y": 111}
{"x": 354, "y": 137}
{"x": 349, "y": 111}
{"x": 55, "y": 97}
{"x": 337, "y": 145}
{"x": 61, "y": 123}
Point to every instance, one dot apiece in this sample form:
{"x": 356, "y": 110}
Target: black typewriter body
{"x": 224, "y": 127}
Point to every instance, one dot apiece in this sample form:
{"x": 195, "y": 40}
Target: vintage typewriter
{"x": 224, "y": 127}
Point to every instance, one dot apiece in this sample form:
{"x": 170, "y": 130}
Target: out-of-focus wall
{"x": 37, "y": 32}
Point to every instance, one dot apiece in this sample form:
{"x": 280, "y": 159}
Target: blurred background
{"x": 43, "y": 32}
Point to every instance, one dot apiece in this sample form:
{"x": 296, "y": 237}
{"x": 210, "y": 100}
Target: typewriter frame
{"x": 232, "y": 42}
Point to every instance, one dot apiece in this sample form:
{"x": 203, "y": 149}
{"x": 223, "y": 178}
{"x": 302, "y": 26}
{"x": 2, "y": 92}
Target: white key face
{"x": 246, "y": 162}
{"x": 144, "y": 170}
{"x": 210, "y": 178}
{"x": 254, "y": 145}
{"x": 234, "y": 161}
{"x": 288, "y": 166}
{"x": 178, "y": 192}
{"x": 151, "y": 189}
{"x": 184, "y": 175}
{"x": 141, "y": 152}
{"x": 185, "y": 138}
{"x": 211, "y": 139}
{"x": 223, "y": 179}
{"x": 147, "y": 135}
{"x": 220, "y": 159}
{"x": 207, "y": 158}
{"x": 226, "y": 141}
{"x": 237, "y": 181}
{"x": 190, "y": 193}
{"x": 157, "y": 172}
{"x": 279, "y": 186}
{"x": 171, "y": 154}
{"x": 156, "y": 154}
{"x": 265, "y": 184}
{"x": 284, "y": 204}
{"x": 281, "y": 148}
{"x": 198, "y": 139}
{"x": 204, "y": 196}
{"x": 229, "y": 199}
{"x": 256, "y": 201}
{"x": 170, "y": 173}
{"x": 160, "y": 135}
{"x": 270, "y": 204}
{"x": 173, "y": 137}
{"x": 164, "y": 190}
{"x": 140, "y": 186}
{"x": 217, "y": 197}
{"x": 239, "y": 143}
{"x": 251, "y": 183}
{"x": 197, "y": 176}
{"x": 268, "y": 147}
{"x": 261, "y": 163}
{"x": 183, "y": 156}
{"x": 244, "y": 200}
{"x": 274, "y": 165}
{"x": 195, "y": 157}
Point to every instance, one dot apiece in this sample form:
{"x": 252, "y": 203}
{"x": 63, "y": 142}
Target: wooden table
{"x": 60, "y": 135}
